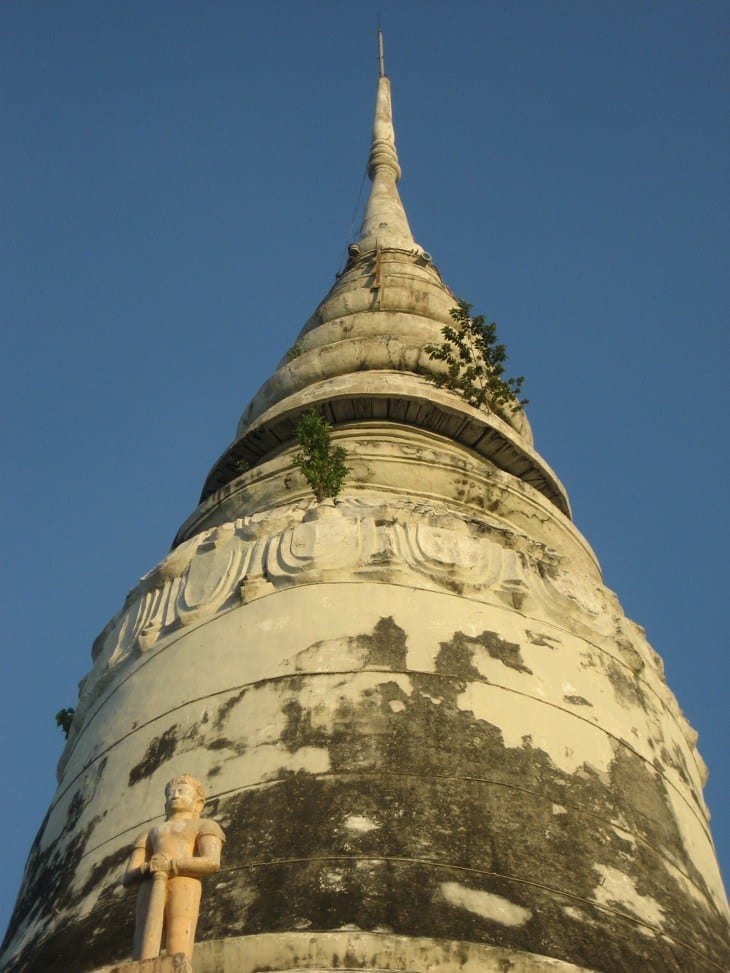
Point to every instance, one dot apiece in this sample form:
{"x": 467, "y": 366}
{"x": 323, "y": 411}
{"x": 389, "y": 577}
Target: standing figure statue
{"x": 170, "y": 861}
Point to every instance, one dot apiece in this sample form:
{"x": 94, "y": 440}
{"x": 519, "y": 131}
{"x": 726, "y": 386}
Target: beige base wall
{"x": 376, "y": 952}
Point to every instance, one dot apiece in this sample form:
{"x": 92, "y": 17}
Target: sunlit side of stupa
{"x": 433, "y": 739}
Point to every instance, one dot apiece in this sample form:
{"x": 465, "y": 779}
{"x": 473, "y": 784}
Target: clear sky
{"x": 178, "y": 188}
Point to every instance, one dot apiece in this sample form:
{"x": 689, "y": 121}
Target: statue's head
{"x": 184, "y": 793}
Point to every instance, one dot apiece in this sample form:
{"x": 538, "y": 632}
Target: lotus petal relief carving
{"x": 219, "y": 562}
{"x": 326, "y": 544}
{"x": 399, "y": 541}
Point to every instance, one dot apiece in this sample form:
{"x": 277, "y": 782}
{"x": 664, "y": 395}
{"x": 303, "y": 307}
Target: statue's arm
{"x": 137, "y": 865}
{"x": 207, "y": 861}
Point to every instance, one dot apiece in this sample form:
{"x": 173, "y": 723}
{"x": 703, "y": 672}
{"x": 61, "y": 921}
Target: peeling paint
{"x": 361, "y": 789}
{"x": 569, "y": 745}
{"x": 485, "y": 904}
{"x": 359, "y": 823}
{"x": 618, "y": 890}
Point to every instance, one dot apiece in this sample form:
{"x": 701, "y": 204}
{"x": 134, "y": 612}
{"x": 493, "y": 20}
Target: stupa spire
{"x": 385, "y": 223}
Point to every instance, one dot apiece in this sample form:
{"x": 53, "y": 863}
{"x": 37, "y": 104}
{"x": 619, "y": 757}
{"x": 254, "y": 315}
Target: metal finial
{"x": 381, "y": 58}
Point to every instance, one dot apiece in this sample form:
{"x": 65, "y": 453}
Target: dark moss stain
{"x": 103, "y": 937}
{"x": 629, "y": 654}
{"x": 625, "y": 685}
{"x": 539, "y": 638}
{"x": 456, "y": 656}
{"x": 298, "y": 731}
{"x": 548, "y": 569}
{"x": 386, "y": 646}
{"x": 222, "y": 743}
{"x": 160, "y": 749}
{"x": 450, "y": 803}
{"x": 110, "y": 866}
{"x": 226, "y": 708}
{"x": 47, "y": 887}
{"x": 508, "y": 653}
{"x": 445, "y": 794}
{"x": 75, "y": 809}
{"x": 396, "y": 876}
{"x": 675, "y": 759}
{"x": 428, "y": 775}
{"x": 577, "y": 700}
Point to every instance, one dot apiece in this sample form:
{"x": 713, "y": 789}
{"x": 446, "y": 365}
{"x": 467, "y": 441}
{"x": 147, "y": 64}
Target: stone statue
{"x": 170, "y": 861}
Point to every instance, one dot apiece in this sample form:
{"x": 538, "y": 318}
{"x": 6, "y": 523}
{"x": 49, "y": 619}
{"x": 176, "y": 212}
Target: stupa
{"x": 432, "y": 737}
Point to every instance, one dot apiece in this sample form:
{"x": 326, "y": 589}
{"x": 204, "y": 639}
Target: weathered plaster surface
{"x": 354, "y": 950}
{"x": 434, "y": 740}
{"x": 416, "y": 715}
{"x": 388, "y": 458}
{"x": 485, "y": 904}
{"x": 162, "y": 964}
{"x": 370, "y": 742}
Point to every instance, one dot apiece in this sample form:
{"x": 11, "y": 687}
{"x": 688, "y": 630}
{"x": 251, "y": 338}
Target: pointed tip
{"x": 381, "y": 57}
{"x": 385, "y": 219}
{"x": 382, "y": 150}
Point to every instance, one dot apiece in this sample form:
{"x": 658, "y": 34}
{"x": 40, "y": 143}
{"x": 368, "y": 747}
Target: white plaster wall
{"x": 259, "y": 647}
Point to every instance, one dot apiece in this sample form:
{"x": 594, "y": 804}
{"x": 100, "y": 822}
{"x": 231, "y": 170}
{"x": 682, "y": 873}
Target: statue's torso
{"x": 176, "y": 839}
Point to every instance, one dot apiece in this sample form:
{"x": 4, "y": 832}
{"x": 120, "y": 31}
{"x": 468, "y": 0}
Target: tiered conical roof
{"x": 362, "y": 354}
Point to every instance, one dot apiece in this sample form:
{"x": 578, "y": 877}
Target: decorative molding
{"x": 401, "y": 541}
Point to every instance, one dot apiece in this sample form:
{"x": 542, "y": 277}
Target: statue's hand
{"x": 160, "y": 863}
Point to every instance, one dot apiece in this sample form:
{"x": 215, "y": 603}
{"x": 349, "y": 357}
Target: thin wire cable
{"x": 348, "y": 239}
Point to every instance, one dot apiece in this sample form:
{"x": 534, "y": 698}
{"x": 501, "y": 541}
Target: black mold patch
{"x": 445, "y": 801}
{"x": 676, "y": 759}
{"x": 456, "y": 657}
{"x": 47, "y": 883}
{"x": 508, "y": 653}
{"x": 548, "y": 569}
{"x": 629, "y": 654}
{"x": 577, "y": 700}
{"x": 386, "y": 646}
{"x": 298, "y": 731}
{"x": 101, "y": 938}
{"x": 294, "y": 864}
{"x": 226, "y": 708}
{"x": 448, "y": 802}
{"x": 110, "y": 865}
{"x": 626, "y": 687}
{"x": 224, "y": 743}
{"x": 159, "y": 750}
{"x": 539, "y": 638}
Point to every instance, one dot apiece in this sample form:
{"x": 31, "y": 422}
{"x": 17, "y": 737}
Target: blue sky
{"x": 179, "y": 181}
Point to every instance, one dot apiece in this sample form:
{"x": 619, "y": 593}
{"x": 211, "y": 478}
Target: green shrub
{"x": 64, "y": 719}
{"x": 475, "y": 362}
{"x": 322, "y": 464}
